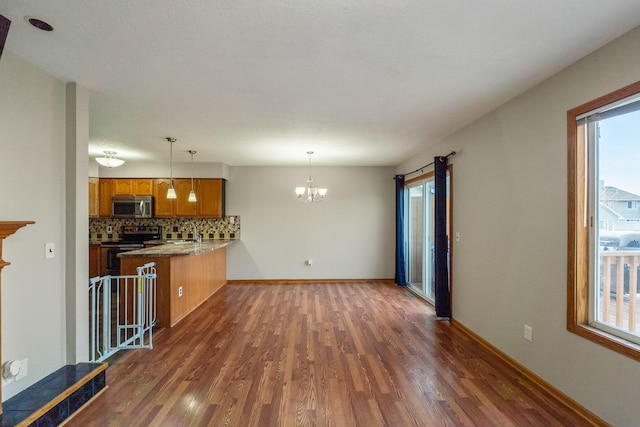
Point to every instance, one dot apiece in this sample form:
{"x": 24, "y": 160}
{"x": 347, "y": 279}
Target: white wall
{"x": 138, "y": 169}
{"x": 77, "y": 223}
{"x": 350, "y": 235}
{"x": 32, "y": 159}
{"x": 510, "y": 206}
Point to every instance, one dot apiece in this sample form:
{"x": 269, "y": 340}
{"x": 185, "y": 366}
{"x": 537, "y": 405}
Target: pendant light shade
{"x": 171, "y": 192}
{"x": 192, "y": 194}
{"x": 109, "y": 160}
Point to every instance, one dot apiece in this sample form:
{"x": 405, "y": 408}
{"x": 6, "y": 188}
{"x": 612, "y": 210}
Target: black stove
{"x": 141, "y": 233}
{"x": 131, "y": 238}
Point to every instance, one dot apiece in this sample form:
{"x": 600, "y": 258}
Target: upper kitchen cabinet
{"x": 105, "y": 192}
{"x": 182, "y": 204}
{"x": 133, "y": 186}
{"x": 209, "y": 196}
{"x": 143, "y": 187}
{"x": 109, "y": 187}
{"x": 94, "y": 200}
{"x": 163, "y": 206}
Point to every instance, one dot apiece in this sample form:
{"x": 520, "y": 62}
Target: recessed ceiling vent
{"x": 38, "y": 23}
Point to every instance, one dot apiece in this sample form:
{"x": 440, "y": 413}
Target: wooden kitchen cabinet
{"x": 183, "y": 207}
{"x": 94, "y": 200}
{"x": 178, "y": 207}
{"x": 209, "y": 196}
{"x": 133, "y": 186}
{"x": 122, "y": 187}
{"x": 109, "y": 187}
{"x": 163, "y": 206}
{"x": 142, "y": 187}
{"x": 94, "y": 260}
{"x": 105, "y": 192}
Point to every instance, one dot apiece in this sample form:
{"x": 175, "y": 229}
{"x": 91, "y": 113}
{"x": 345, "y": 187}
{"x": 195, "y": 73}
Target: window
{"x": 604, "y": 223}
{"x": 420, "y": 233}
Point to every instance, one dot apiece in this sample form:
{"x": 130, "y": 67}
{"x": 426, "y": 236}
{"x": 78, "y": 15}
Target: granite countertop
{"x": 100, "y": 241}
{"x": 183, "y": 248}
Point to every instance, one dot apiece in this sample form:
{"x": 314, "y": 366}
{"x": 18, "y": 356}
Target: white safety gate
{"x": 122, "y": 312}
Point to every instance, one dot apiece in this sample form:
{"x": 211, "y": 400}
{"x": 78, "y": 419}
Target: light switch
{"x": 49, "y": 250}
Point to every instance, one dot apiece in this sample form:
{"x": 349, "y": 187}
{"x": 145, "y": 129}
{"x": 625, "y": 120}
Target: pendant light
{"x": 310, "y": 193}
{"x": 171, "y": 192}
{"x": 192, "y": 194}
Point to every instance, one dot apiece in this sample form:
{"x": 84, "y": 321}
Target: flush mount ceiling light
{"x": 192, "y": 194}
{"x": 310, "y": 194}
{"x": 171, "y": 192}
{"x": 38, "y": 23}
{"x": 109, "y": 160}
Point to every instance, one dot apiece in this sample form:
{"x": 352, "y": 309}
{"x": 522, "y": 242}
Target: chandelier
{"x": 310, "y": 193}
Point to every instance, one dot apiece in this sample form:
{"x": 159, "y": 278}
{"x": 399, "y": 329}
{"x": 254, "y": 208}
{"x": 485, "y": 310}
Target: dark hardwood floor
{"x": 340, "y": 354}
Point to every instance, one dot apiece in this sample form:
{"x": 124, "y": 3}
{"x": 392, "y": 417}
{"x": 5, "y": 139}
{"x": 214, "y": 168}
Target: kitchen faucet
{"x": 196, "y": 236}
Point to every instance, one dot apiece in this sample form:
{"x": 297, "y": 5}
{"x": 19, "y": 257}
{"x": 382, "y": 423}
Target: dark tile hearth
{"x": 56, "y": 397}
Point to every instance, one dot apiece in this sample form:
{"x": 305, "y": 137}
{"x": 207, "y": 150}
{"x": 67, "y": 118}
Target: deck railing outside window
{"x": 619, "y": 290}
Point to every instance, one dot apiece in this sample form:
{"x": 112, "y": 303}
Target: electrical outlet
{"x": 20, "y": 365}
{"x": 24, "y": 364}
{"x": 180, "y": 291}
{"x": 528, "y": 333}
{"x": 109, "y": 229}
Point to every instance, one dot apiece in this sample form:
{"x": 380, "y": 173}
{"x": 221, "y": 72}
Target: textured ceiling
{"x": 261, "y": 82}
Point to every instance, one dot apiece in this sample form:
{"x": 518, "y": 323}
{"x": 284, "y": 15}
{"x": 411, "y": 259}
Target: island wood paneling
{"x": 199, "y": 276}
{"x": 95, "y": 261}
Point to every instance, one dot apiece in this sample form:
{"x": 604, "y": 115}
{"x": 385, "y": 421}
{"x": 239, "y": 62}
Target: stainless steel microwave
{"x": 132, "y": 206}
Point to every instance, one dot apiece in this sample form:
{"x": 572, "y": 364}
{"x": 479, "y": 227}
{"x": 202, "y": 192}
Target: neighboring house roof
{"x": 615, "y": 194}
{"x": 611, "y": 211}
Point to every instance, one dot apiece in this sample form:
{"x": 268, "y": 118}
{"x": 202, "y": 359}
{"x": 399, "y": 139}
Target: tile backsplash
{"x": 172, "y": 228}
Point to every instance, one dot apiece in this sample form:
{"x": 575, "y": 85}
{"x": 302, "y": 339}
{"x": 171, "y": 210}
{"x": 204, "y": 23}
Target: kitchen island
{"x": 188, "y": 273}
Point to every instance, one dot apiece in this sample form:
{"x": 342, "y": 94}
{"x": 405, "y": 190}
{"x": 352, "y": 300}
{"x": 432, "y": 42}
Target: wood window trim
{"x": 578, "y": 232}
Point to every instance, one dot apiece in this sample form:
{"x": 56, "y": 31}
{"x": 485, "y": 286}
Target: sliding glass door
{"x": 420, "y": 232}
